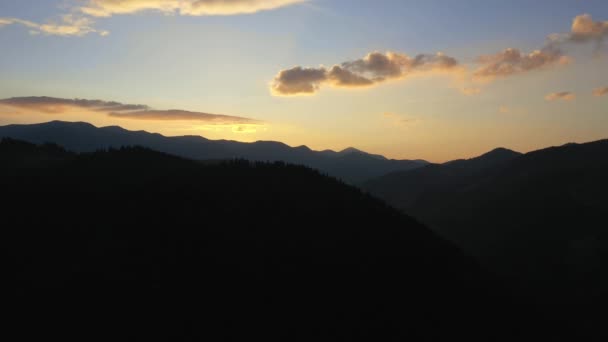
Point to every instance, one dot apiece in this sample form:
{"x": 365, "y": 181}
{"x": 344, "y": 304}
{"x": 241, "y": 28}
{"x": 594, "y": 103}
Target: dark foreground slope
{"x": 404, "y": 189}
{"x": 350, "y": 164}
{"x": 540, "y": 218}
{"x": 132, "y": 244}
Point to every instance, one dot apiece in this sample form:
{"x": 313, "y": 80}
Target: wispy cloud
{"x": 564, "y": 95}
{"x": 54, "y": 105}
{"x": 373, "y": 69}
{"x": 601, "y": 91}
{"x": 79, "y": 21}
{"x": 105, "y": 8}
{"x": 176, "y": 114}
{"x": 51, "y": 105}
{"x": 69, "y": 26}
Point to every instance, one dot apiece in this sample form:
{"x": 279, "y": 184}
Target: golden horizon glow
{"x": 250, "y": 70}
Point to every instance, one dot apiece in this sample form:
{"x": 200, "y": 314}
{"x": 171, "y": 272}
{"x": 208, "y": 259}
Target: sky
{"x": 409, "y": 79}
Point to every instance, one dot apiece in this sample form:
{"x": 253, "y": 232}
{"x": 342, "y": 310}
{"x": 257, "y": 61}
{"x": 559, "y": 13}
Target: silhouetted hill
{"x": 539, "y": 218}
{"x": 350, "y": 164}
{"x": 132, "y": 244}
{"x": 493, "y": 158}
{"x": 402, "y": 189}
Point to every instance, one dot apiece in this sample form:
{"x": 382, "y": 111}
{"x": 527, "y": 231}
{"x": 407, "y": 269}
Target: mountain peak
{"x": 55, "y": 123}
{"x": 113, "y": 128}
{"x": 500, "y": 151}
{"x": 303, "y": 148}
{"x": 350, "y": 150}
{"x": 496, "y": 156}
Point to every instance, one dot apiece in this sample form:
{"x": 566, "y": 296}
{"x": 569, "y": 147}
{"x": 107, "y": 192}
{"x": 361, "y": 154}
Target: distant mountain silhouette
{"x": 178, "y": 250}
{"x": 404, "y": 189}
{"x": 350, "y": 164}
{"x": 539, "y": 218}
{"x": 491, "y": 159}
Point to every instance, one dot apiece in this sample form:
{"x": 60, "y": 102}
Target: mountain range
{"x": 133, "y": 244}
{"x": 537, "y": 218}
{"x": 350, "y": 165}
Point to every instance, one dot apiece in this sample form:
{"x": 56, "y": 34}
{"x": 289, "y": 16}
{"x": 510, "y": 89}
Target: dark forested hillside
{"x": 404, "y": 188}
{"x": 539, "y": 218}
{"x": 350, "y": 164}
{"x": 132, "y": 244}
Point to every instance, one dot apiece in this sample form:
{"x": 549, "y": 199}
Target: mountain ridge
{"x": 322, "y": 262}
{"x": 538, "y": 219}
{"x": 351, "y": 165}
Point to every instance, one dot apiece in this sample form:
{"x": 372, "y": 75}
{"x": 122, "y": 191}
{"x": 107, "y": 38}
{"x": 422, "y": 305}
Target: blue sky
{"x": 224, "y": 64}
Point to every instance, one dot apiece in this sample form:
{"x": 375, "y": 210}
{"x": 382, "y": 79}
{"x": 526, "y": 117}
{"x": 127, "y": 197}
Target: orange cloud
{"x": 585, "y": 29}
{"x": 54, "y": 105}
{"x": 176, "y": 114}
{"x": 601, "y": 91}
{"x": 51, "y": 105}
{"x": 373, "y": 69}
{"x": 565, "y": 96}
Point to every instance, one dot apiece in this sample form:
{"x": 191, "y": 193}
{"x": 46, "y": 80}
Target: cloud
{"x": 380, "y": 67}
{"x": 341, "y": 77}
{"x": 51, "y": 105}
{"x": 370, "y": 70}
{"x": 106, "y": 8}
{"x": 601, "y": 91}
{"x": 512, "y": 61}
{"x": 79, "y": 22}
{"x": 70, "y": 26}
{"x": 585, "y": 29}
{"x": 176, "y": 114}
{"x": 298, "y": 80}
{"x": 54, "y": 105}
{"x": 565, "y": 96}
